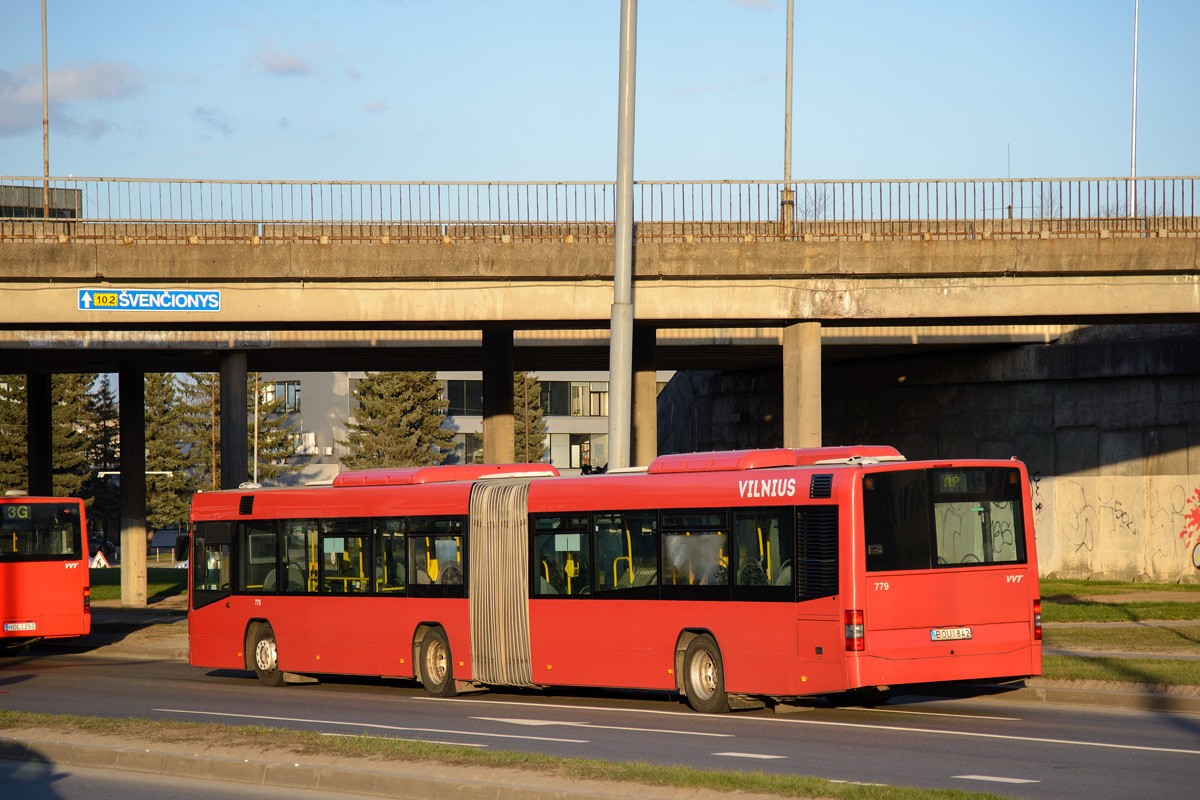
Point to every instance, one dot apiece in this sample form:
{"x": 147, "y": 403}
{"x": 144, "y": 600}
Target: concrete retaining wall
{"x": 1109, "y": 428}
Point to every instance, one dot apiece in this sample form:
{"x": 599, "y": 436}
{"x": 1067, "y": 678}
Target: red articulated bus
{"x": 45, "y": 590}
{"x": 735, "y": 578}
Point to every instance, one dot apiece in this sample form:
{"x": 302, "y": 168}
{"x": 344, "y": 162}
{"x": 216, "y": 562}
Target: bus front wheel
{"x": 437, "y": 666}
{"x": 266, "y": 655}
{"x": 704, "y": 676}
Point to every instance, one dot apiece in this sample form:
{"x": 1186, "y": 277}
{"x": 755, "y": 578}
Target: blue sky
{"x": 476, "y": 90}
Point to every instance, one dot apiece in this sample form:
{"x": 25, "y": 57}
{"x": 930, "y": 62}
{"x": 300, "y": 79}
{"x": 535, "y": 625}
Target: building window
{"x": 582, "y": 451}
{"x": 288, "y": 392}
{"x": 575, "y": 398}
{"x": 468, "y": 449}
{"x": 465, "y": 398}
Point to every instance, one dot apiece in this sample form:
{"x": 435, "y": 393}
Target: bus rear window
{"x": 40, "y": 532}
{"x": 923, "y": 519}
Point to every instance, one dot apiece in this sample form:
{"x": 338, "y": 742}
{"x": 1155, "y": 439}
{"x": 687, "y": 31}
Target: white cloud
{"x": 272, "y": 62}
{"x": 21, "y": 95}
{"x": 372, "y": 108}
{"x": 214, "y": 118}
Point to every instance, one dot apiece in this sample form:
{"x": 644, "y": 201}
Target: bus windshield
{"x": 943, "y": 517}
{"x": 40, "y": 532}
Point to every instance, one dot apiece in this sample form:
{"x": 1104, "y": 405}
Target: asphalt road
{"x": 1013, "y": 749}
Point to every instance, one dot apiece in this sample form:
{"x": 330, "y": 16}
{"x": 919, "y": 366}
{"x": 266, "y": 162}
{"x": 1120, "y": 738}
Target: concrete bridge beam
{"x": 132, "y": 422}
{"x": 644, "y": 428}
{"x": 498, "y": 426}
{"x": 802, "y": 385}
{"x": 235, "y": 462}
{"x": 39, "y": 436}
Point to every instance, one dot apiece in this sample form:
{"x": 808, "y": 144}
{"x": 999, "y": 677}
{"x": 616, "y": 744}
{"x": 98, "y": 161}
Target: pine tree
{"x": 397, "y": 422}
{"x": 167, "y": 495}
{"x": 528, "y": 426}
{"x": 14, "y": 458}
{"x": 70, "y": 431}
{"x": 68, "y": 441}
{"x": 102, "y": 492}
{"x": 202, "y": 421}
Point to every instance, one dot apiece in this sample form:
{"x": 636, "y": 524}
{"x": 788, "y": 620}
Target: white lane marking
{"x": 402, "y": 739}
{"x": 939, "y": 714}
{"x": 747, "y": 755}
{"x": 993, "y": 779}
{"x": 1001, "y": 736}
{"x": 859, "y": 725}
{"x": 369, "y": 725}
{"x": 545, "y": 722}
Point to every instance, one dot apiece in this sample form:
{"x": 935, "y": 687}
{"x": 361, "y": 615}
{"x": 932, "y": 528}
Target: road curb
{"x": 408, "y": 784}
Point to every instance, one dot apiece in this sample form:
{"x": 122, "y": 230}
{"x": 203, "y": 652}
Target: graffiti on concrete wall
{"x": 1190, "y": 533}
{"x": 1126, "y": 527}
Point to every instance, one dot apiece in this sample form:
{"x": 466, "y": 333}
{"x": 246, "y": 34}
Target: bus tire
{"x": 704, "y": 676}
{"x": 265, "y": 654}
{"x": 437, "y": 665}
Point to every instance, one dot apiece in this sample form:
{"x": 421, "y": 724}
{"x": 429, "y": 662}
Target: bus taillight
{"x": 854, "y": 630}
{"x": 1037, "y": 620}
{"x": 87, "y": 599}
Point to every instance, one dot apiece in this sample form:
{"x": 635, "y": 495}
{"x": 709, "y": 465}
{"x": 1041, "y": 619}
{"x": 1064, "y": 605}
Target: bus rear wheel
{"x": 704, "y": 676}
{"x": 266, "y": 655}
{"x": 437, "y": 666}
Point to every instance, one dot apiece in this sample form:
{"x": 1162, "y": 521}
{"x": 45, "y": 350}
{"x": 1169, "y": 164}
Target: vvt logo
{"x": 1013, "y": 578}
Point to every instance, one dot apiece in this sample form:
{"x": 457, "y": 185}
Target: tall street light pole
{"x": 620, "y": 358}
{"x": 45, "y": 126}
{"x": 1129, "y": 201}
{"x": 787, "y": 103}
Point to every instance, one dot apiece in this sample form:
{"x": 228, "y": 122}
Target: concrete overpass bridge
{"x": 166, "y": 275}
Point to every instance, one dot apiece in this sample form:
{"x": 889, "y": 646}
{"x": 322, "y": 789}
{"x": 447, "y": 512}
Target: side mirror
{"x": 183, "y": 546}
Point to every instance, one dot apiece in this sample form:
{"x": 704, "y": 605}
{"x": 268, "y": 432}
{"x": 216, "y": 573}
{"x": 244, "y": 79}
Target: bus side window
{"x": 695, "y": 548}
{"x": 344, "y": 556}
{"x": 627, "y": 552}
{"x": 764, "y": 550}
{"x": 436, "y": 565}
{"x": 390, "y": 577}
{"x": 210, "y": 562}
{"x": 259, "y": 570}
{"x": 299, "y": 556}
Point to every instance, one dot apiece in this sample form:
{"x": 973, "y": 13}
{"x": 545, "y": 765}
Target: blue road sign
{"x": 149, "y": 300}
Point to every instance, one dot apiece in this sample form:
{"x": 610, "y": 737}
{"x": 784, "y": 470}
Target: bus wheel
{"x": 437, "y": 668}
{"x": 266, "y": 655}
{"x": 704, "y": 677}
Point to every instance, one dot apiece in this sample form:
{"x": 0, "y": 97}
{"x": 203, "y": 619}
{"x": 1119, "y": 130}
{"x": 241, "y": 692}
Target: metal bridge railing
{"x": 192, "y": 211}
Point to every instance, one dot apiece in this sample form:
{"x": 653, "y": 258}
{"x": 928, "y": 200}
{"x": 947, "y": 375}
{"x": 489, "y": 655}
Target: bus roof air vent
{"x": 246, "y": 504}
{"x": 447, "y": 474}
{"x": 821, "y": 486}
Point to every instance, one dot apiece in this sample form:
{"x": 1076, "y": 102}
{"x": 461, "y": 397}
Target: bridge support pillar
{"x": 645, "y": 398}
{"x": 132, "y": 422}
{"x": 39, "y": 434}
{"x": 235, "y": 461}
{"x": 498, "y": 431}
{"x": 802, "y": 385}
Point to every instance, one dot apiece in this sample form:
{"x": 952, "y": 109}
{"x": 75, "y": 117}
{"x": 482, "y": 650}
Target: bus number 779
{"x": 881, "y": 586}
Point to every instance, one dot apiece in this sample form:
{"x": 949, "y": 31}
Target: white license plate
{"x": 949, "y": 634}
{"x": 20, "y": 626}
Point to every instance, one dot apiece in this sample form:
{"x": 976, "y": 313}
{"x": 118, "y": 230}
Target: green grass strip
{"x": 1146, "y": 671}
{"x": 142, "y": 732}
{"x": 1064, "y": 586}
{"x": 1095, "y": 611}
{"x": 160, "y": 582}
{"x": 1178, "y": 639}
